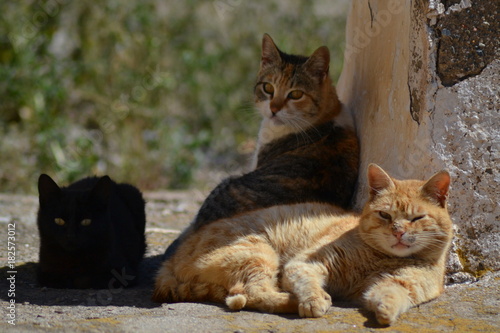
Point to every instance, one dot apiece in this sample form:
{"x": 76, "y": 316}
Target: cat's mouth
{"x": 400, "y": 246}
{"x": 276, "y": 119}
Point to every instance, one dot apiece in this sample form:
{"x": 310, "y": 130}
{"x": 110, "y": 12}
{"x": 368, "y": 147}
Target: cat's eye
{"x": 416, "y": 218}
{"x": 268, "y": 88}
{"x": 86, "y": 222}
{"x": 296, "y": 94}
{"x": 384, "y": 215}
{"x": 59, "y": 221}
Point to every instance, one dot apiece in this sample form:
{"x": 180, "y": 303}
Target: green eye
{"x": 268, "y": 88}
{"x": 384, "y": 215}
{"x": 59, "y": 221}
{"x": 86, "y": 222}
{"x": 296, "y": 94}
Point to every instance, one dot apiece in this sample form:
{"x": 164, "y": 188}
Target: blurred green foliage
{"x": 149, "y": 92}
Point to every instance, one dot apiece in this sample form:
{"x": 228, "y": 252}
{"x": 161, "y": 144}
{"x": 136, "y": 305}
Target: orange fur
{"x": 294, "y": 258}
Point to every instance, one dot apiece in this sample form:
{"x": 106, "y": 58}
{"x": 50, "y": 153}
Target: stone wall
{"x": 422, "y": 80}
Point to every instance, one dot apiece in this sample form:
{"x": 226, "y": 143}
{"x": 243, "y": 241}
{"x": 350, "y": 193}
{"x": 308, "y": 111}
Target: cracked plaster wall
{"x": 413, "y": 125}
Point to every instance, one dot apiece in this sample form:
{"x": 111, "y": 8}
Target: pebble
{"x": 5, "y": 219}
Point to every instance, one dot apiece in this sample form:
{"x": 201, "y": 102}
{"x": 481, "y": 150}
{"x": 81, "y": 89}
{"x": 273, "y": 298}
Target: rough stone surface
{"x": 469, "y": 39}
{"x": 466, "y": 136}
{"x": 469, "y": 307}
{"x": 413, "y": 126}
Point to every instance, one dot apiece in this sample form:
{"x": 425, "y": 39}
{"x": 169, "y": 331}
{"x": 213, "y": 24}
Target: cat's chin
{"x": 276, "y": 121}
{"x": 401, "y": 250}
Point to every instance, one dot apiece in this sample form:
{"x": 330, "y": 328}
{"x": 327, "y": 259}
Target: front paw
{"x": 315, "y": 306}
{"x": 386, "y": 313}
{"x": 387, "y": 303}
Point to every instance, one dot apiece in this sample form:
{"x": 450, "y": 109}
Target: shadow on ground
{"x": 27, "y": 290}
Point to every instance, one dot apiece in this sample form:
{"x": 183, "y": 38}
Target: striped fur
{"x": 295, "y": 258}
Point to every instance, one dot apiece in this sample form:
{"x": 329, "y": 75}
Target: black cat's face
{"x": 74, "y": 218}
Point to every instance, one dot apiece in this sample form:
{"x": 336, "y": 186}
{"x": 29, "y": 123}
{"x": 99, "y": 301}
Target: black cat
{"x": 91, "y": 233}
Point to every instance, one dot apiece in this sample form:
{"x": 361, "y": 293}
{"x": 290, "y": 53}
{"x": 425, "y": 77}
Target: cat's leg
{"x": 390, "y": 296}
{"x": 255, "y": 268}
{"x": 306, "y": 281}
{"x": 387, "y": 299}
{"x": 242, "y": 274}
{"x": 263, "y": 295}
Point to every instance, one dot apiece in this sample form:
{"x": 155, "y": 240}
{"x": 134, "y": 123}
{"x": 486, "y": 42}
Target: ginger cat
{"x": 294, "y": 258}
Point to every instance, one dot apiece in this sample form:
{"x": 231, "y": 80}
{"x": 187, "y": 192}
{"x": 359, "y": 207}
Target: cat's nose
{"x": 276, "y": 105}
{"x": 275, "y": 109}
{"x": 398, "y": 234}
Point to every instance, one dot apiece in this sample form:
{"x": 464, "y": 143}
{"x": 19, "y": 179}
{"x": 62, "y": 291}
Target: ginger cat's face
{"x": 291, "y": 90}
{"x": 405, "y": 218}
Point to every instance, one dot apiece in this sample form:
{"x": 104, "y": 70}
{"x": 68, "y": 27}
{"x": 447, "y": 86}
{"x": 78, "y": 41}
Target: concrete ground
{"x": 472, "y": 307}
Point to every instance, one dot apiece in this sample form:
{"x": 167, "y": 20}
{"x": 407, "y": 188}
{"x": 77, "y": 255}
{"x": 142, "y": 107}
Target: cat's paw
{"x": 388, "y": 302}
{"x": 236, "y": 302}
{"x": 387, "y": 307}
{"x": 316, "y": 306}
{"x": 386, "y": 313}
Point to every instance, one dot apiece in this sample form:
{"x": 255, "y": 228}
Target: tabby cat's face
{"x": 405, "y": 218}
{"x": 292, "y": 90}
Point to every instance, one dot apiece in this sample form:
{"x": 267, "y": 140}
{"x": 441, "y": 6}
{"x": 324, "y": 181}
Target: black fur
{"x": 104, "y": 254}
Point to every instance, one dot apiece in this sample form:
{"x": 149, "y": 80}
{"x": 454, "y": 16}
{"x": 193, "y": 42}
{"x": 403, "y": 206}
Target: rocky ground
{"x": 470, "y": 307}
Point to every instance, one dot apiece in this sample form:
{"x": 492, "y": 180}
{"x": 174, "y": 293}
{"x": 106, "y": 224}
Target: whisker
{"x": 301, "y": 130}
{"x": 297, "y": 123}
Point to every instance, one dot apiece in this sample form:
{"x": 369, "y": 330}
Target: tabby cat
{"x": 91, "y": 233}
{"x": 294, "y": 258}
{"x": 307, "y": 149}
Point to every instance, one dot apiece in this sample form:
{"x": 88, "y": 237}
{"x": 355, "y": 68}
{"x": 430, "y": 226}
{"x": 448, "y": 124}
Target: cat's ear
{"x": 47, "y": 189}
{"x": 318, "y": 63}
{"x": 270, "y": 53}
{"x": 102, "y": 190}
{"x": 378, "y": 180}
{"x": 436, "y": 188}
